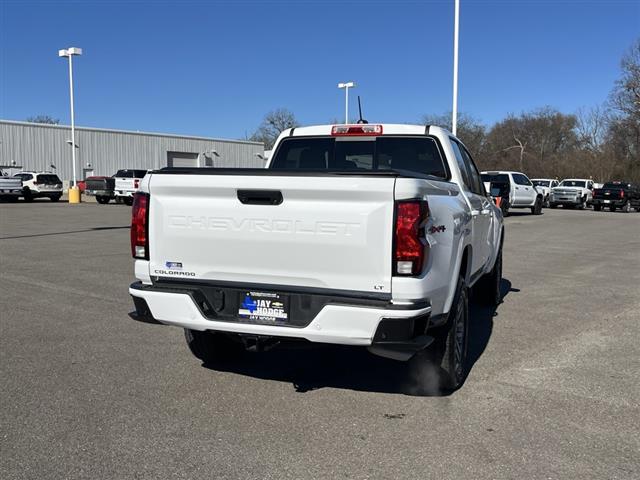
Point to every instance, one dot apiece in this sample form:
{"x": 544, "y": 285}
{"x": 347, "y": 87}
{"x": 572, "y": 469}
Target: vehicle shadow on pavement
{"x": 311, "y": 367}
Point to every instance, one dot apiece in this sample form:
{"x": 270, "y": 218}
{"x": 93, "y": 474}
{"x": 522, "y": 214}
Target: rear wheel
{"x": 55, "y": 198}
{"x": 211, "y": 347}
{"x": 597, "y": 208}
{"x": 448, "y": 350}
{"x": 128, "y": 201}
{"x": 28, "y": 196}
{"x": 612, "y": 208}
{"x": 102, "y": 200}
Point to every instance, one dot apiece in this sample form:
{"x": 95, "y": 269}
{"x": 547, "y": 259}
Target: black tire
{"x": 553, "y": 205}
{"x": 55, "y": 198}
{"x": 583, "y": 205}
{"x": 597, "y": 208}
{"x": 612, "y": 208}
{"x": 28, "y": 196}
{"x": 537, "y": 207}
{"x": 627, "y": 207}
{"x": 505, "y": 209}
{"x": 488, "y": 290}
{"x": 211, "y": 347}
{"x": 448, "y": 350}
{"x": 102, "y": 200}
{"x": 128, "y": 201}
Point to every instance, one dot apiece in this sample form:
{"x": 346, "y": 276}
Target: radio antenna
{"x": 360, "y": 120}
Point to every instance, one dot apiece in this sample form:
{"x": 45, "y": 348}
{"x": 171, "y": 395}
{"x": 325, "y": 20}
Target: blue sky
{"x": 215, "y": 68}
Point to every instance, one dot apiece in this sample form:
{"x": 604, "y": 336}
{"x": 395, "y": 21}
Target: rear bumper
{"x": 609, "y": 202}
{"x": 124, "y": 193}
{"x": 396, "y": 332}
{"x": 99, "y": 193}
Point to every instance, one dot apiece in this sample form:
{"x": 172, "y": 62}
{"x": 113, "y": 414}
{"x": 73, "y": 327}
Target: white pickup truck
{"x": 126, "y": 184}
{"x": 361, "y": 234}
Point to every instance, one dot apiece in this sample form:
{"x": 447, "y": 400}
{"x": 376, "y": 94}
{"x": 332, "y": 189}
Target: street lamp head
{"x": 346, "y": 85}
{"x": 69, "y": 51}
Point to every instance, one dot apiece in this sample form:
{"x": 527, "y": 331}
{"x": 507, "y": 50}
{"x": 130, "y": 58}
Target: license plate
{"x": 264, "y": 307}
{"x": 607, "y": 201}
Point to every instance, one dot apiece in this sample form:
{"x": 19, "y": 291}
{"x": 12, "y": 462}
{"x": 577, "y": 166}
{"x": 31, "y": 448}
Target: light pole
{"x": 69, "y": 53}
{"x": 346, "y": 87}
{"x": 454, "y": 110}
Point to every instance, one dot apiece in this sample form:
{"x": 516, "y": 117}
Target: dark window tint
{"x": 461, "y": 165}
{"x": 476, "y": 181}
{"x": 520, "y": 179}
{"x": 495, "y": 177}
{"x": 130, "y": 173}
{"x": 48, "y": 179}
{"x": 572, "y": 183}
{"x": 616, "y": 185}
{"x": 419, "y": 155}
{"x": 540, "y": 183}
{"x": 24, "y": 176}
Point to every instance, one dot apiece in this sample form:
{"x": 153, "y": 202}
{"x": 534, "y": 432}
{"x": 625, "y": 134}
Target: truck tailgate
{"x": 329, "y": 232}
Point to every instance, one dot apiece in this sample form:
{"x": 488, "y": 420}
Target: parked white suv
{"x": 572, "y": 192}
{"x": 127, "y": 183}
{"x": 517, "y": 186}
{"x": 365, "y": 235}
{"x": 544, "y": 186}
{"x": 40, "y": 184}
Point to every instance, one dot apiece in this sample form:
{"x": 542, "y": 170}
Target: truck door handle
{"x": 260, "y": 197}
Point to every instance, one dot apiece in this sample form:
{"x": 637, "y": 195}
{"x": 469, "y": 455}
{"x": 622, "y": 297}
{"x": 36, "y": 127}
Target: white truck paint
{"x": 544, "y": 186}
{"x": 522, "y": 193}
{"x": 317, "y": 235}
{"x": 572, "y": 192}
{"x": 10, "y": 187}
{"x": 127, "y": 182}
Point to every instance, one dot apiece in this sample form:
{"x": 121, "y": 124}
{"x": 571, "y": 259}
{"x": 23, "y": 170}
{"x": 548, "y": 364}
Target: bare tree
{"x": 272, "y": 125}
{"x": 43, "y": 119}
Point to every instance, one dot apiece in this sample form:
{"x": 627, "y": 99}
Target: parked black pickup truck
{"x": 622, "y": 195}
{"x": 100, "y": 187}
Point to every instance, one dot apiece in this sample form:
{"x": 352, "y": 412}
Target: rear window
{"x": 615, "y": 185}
{"x": 130, "y": 173}
{"x": 495, "y": 177}
{"x": 415, "y": 154}
{"x": 48, "y": 179}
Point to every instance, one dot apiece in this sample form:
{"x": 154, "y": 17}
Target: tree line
{"x": 602, "y": 142}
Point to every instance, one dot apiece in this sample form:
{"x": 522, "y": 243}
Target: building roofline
{"x": 128, "y": 132}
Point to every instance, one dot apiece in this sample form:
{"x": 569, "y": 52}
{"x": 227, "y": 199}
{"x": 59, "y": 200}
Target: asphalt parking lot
{"x": 554, "y": 391}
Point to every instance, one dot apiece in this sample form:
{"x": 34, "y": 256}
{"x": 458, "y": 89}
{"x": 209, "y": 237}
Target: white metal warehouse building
{"x": 41, "y": 147}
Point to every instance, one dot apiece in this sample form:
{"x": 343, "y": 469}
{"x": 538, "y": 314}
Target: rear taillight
{"x": 621, "y": 193}
{"x": 136, "y": 183}
{"x": 410, "y": 242}
{"x": 140, "y": 226}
